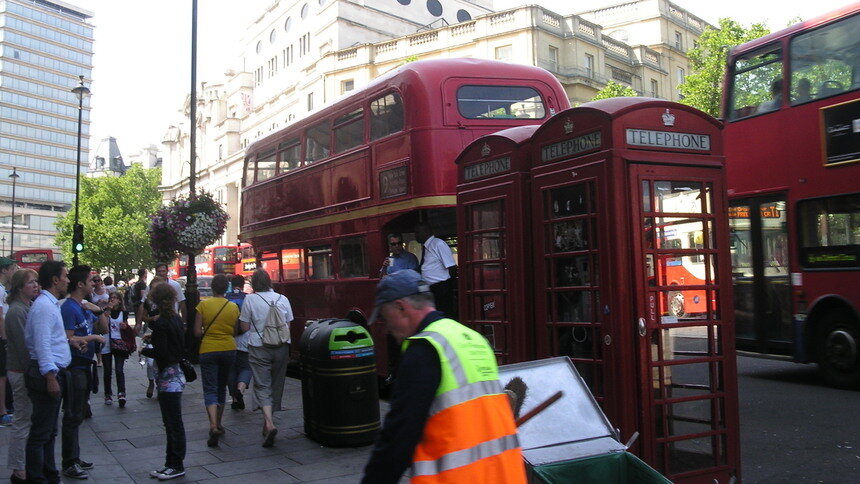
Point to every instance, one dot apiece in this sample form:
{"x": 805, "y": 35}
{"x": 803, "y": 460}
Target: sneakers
{"x": 154, "y": 474}
{"x": 85, "y": 465}
{"x": 75, "y": 471}
{"x": 108, "y": 401}
{"x": 121, "y": 398}
{"x": 6, "y": 420}
{"x": 169, "y": 473}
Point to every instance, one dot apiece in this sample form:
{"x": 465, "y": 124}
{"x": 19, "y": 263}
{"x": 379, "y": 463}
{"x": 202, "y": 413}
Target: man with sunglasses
{"x": 400, "y": 258}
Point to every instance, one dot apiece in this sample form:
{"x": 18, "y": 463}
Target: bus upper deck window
{"x": 757, "y": 85}
{"x": 349, "y": 131}
{"x": 290, "y": 153}
{"x": 249, "y": 171}
{"x": 824, "y": 61}
{"x": 386, "y": 116}
{"x": 488, "y": 102}
{"x": 266, "y": 165}
{"x": 317, "y": 142}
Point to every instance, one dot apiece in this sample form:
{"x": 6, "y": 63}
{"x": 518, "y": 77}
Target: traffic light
{"x": 78, "y": 239}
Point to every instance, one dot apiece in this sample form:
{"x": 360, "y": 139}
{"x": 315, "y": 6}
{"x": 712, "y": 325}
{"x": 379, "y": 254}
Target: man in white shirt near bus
{"x": 161, "y": 271}
{"x": 439, "y": 269}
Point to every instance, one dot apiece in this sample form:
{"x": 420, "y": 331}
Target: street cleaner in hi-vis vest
{"x": 449, "y": 418}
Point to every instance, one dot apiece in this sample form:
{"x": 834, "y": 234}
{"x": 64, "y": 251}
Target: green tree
{"x": 614, "y": 89}
{"x": 703, "y": 88}
{"x": 115, "y": 214}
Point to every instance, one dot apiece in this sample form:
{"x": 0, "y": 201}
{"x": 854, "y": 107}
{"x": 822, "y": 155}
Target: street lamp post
{"x": 14, "y": 176}
{"x": 81, "y": 92}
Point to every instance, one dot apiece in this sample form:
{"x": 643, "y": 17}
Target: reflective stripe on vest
{"x": 453, "y": 359}
{"x": 464, "y": 394}
{"x": 465, "y": 456}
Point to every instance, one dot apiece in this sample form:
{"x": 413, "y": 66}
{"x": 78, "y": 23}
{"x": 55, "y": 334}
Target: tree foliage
{"x": 702, "y": 88}
{"x": 115, "y": 213}
{"x": 614, "y": 89}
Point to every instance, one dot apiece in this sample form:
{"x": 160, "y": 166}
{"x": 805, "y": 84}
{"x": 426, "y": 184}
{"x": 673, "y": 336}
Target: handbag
{"x": 188, "y": 370}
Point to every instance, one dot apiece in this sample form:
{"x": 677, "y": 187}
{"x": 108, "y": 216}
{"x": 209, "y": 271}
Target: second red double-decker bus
{"x": 792, "y": 111}
{"x": 320, "y": 196}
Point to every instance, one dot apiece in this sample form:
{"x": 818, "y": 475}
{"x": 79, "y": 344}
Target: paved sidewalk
{"x": 125, "y": 444}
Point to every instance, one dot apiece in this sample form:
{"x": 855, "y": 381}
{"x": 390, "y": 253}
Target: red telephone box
{"x": 625, "y": 236}
{"x": 493, "y": 255}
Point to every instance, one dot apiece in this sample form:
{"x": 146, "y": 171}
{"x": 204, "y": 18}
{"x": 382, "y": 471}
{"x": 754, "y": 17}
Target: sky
{"x": 141, "y": 63}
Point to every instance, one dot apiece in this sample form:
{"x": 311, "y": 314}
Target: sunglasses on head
{"x": 97, "y": 280}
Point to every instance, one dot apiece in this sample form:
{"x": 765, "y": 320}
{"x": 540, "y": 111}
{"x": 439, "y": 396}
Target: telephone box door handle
{"x": 641, "y": 326}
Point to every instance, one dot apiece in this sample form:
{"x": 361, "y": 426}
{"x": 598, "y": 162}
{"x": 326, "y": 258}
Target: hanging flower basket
{"x": 186, "y": 224}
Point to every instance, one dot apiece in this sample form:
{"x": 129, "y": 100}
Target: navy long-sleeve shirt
{"x": 418, "y": 376}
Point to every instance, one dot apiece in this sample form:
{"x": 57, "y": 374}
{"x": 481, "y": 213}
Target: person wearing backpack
{"x": 266, "y": 316}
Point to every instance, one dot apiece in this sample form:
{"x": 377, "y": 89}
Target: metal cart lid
{"x": 573, "y": 427}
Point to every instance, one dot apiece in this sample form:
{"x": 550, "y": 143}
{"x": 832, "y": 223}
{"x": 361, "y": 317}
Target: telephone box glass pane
{"x": 690, "y": 455}
{"x": 491, "y": 307}
{"x": 688, "y": 418}
{"x": 685, "y": 343}
{"x": 572, "y": 271}
{"x": 573, "y": 306}
{"x": 679, "y": 197}
{"x": 487, "y": 215}
{"x": 569, "y": 200}
{"x": 488, "y": 245}
{"x": 570, "y": 235}
{"x": 488, "y": 275}
{"x": 646, "y": 196}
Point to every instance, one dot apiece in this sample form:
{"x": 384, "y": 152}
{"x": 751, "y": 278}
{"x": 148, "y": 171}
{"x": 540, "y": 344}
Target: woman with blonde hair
{"x": 23, "y": 288}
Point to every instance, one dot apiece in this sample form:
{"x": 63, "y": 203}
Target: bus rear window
{"x": 830, "y": 232}
{"x": 487, "y": 102}
{"x": 823, "y": 61}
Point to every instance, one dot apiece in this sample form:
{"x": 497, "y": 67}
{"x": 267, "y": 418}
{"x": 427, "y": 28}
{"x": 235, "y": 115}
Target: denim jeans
{"x": 109, "y": 361}
{"x": 40, "y": 463}
{"x": 215, "y": 370}
{"x": 171, "y": 415}
{"x": 76, "y": 391}
{"x": 240, "y": 372}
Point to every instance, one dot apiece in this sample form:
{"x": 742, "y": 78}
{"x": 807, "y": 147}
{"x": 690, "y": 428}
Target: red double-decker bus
{"x": 792, "y": 110}
{"x": 320, "y": 196}
{"x": 215, "y": 259}
{"x": 32, "y": 258}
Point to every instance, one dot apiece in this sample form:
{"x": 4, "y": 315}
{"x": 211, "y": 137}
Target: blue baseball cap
{"x": 396, "y": 286}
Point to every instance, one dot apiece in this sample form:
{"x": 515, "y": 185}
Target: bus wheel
{"x": 676, "y": 304}
{"x": 838, "y": 351}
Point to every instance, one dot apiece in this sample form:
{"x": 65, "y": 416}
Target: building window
{"x": 304, "y": 11}
{"x": 346, "y": 86}
{"x": 310, "y": 101}
{"x": 654, "y": 88}
{"x": 258, "y": 76}
{"x": 273, "y": 66}
{"x": 434, "y": 7}
{"x": 681, "y": 75}
{"x": 504, "y": 52}
{"x": 272, "y": 36}
{"x": 589, "y": 65}
{"x": 288, "y": 56}
{"x": 304, "y": 44}
{"x": 259, "y": 46}
{"x": 287, "y": 24}
{"x": 553, "y": 58}
{"x": 463, "y": 16}
{"x": 679, "y": 41}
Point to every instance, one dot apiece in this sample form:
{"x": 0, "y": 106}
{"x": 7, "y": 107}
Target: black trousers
{"x": 110, "y": 361}
{"x": 171, "y": 415}
{"x": 40, "y": 464}
{"x": 445, "y": 294}
{"x": 76, "y": 391}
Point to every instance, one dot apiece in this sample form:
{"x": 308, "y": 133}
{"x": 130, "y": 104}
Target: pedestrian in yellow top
{"x": 216, "y": 324}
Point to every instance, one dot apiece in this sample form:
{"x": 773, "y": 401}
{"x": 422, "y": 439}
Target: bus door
{"x": 685, "y": 380}
{"x": 760, "y": 273}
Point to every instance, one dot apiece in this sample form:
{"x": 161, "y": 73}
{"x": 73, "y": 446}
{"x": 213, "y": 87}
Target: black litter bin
{"x": 340, "y": 392}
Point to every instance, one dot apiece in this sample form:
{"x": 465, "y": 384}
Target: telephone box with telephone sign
{"x": 625, "y": 236}
{"x": 491, "y": 194}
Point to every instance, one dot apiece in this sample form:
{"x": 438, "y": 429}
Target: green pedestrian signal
{"x": 78, "y": 239}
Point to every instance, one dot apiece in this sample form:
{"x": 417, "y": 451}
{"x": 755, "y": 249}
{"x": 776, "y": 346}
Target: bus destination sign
{"x": 487, "y": 168}
{"x": 393, "y": 183}
{"x": 666, "y": 139}
{"x": 572, "y": 146}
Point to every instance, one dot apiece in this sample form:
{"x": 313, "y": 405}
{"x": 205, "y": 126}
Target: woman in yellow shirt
{"x": 216, "y": 325}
